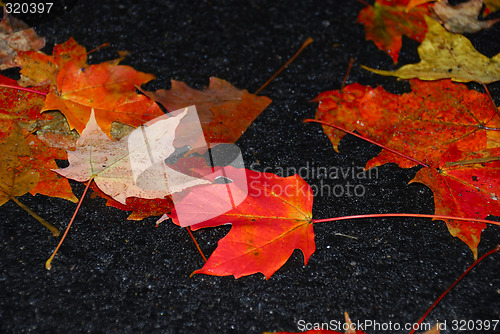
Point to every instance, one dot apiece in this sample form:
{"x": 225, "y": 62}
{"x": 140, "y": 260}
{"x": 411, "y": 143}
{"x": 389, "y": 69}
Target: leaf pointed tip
{"x": 92, "y": 115}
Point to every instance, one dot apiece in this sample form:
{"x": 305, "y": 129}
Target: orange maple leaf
{"x": 108, "y": 89}
{"x": 37, "y": 68}
{"x": 225, "y": 111}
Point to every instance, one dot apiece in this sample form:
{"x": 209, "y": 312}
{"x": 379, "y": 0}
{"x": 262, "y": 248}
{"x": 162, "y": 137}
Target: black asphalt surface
{"x": 119, "y": 276}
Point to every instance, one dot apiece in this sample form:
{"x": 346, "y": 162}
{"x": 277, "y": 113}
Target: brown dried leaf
{"x": 16, "y": 36}
{"x": 462, "y": 18}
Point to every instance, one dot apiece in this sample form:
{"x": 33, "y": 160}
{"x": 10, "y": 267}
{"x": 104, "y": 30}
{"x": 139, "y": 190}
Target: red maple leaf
{"x": 467, "y": 184}
{"x": 436, "y": 123}
{"x": 272, "y": 221}
{"x": 388, "y": 20}
{"x": 19, "y": 105}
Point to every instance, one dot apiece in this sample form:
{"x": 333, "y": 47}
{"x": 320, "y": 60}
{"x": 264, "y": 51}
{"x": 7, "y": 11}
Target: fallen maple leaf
{"x": 388, "y": 20}
{"x": 272, "y": 221}
{"x": 16, "y": 36}
{"x": 37, "y": 68}
{"x": 463, "y": 17}
{"x": 108, "y": 89}
{"x": 133, "y": 166}
{"x": 442, "y": 112}
{"x": 446, "y": 55}
{"x": 424, "y": 124}
{"x": 225, "y": 112}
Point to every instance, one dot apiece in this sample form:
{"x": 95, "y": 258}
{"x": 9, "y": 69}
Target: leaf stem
{"x": 414, "y": 215}
{"x": 494, "y": 250}
{"x": 470, "y": 162}
{"x": 366, "y": 139}
{"x": 365, "y": 3}
{"x": 306, "y": 43}
{"x": 196, "y": 244}
{"x": 351, "y": 62}
{"x": 103, "y": 45}
{"x": 48, "y": 264}
{"x": 55, "y": 231}
{"x": 26, "y": 89}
